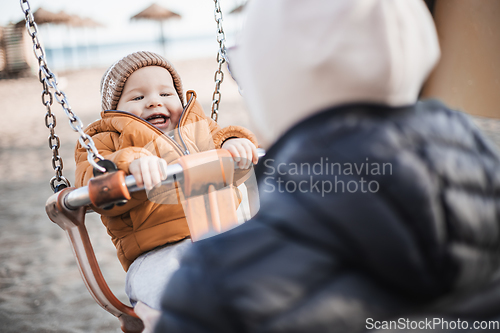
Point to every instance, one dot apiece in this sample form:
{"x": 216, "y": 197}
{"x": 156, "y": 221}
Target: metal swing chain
{"x": 221, "y": 58}
{"x": 48, "y": 80}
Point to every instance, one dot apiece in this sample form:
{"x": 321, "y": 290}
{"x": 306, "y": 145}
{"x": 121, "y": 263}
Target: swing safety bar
{"x": 68, "y": 207}
{"x": 80, "y": 196}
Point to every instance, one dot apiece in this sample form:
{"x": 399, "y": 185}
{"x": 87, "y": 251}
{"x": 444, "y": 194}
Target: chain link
{"x": 221, "y": 58}
{"x": 48, "y": 81}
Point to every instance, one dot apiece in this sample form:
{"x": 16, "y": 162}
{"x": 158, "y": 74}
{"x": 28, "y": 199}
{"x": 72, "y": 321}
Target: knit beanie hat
{"x": 114, "y": 78}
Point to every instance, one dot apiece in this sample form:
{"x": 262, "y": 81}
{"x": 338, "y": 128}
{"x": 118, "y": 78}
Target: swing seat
{"x": 208, "y": 187}
{"x": 72, "y": 221}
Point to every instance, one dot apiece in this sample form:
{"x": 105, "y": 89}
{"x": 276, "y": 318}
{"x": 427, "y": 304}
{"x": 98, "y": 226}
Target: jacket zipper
{"x": 177, "y": 145}
{"x": 186, "y": 151}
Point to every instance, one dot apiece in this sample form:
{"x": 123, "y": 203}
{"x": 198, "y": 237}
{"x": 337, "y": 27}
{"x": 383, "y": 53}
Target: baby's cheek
{"x": 176, "y": 114}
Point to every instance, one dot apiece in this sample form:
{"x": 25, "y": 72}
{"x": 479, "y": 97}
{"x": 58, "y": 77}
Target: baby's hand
{"x": 148, "y": 171}
{"x": 243, "y": 151}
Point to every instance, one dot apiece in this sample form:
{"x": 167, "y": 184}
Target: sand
{"x": 40, "y": 286}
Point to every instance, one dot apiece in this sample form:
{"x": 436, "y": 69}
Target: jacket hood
{"x": 297, "y": 58}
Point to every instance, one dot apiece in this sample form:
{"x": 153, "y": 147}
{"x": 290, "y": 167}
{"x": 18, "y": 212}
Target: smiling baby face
{"x": 149, "y": 93}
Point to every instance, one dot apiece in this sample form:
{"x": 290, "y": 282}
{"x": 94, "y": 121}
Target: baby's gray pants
{"x": 149, "y": 273}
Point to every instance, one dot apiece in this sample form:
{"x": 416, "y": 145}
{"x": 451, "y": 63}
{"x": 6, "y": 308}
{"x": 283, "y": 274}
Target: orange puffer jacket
{"x": 143, "y": 224}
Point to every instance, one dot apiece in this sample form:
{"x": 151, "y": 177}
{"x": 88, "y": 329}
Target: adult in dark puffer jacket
{"x": 373, "y": 206}
{"x": 327, "y": 263}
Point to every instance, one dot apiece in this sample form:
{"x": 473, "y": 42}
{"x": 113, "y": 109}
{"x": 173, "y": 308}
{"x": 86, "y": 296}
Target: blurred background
{"x": 93, "y": 34}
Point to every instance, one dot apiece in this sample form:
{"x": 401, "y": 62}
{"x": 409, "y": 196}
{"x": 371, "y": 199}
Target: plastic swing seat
{"x": 207, "y": 181}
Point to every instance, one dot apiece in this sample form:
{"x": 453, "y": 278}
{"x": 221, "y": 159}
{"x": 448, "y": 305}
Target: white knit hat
{"x": 116, "y": 76}
{"x": 299, "y": 57}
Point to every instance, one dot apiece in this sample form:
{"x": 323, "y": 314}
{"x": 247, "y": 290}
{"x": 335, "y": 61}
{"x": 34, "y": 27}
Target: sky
{"x": 197, "y": 18}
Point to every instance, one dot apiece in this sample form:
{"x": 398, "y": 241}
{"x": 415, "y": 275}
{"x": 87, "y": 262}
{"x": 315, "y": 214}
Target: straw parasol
{"x": 43, "y": 16}
{"x": 156, "y": 12}
{"x": 90, "y": 23}
{"x": 238, "y": 9}
{"x": 64, "y": 17}
{"x": 83, "y": 22}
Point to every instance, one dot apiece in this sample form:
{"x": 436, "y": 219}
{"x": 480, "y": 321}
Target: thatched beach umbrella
{"x": 77, "y": 21}
{"x": 156, "y": 12}
{"x": 64, "y": 17}
{"x": 90, "y": 23}
{"x": 238, "y": 9}
{"x": 83, "y": 22}
{"x": 47, "y": 18}
{"x": 43, "y": 16}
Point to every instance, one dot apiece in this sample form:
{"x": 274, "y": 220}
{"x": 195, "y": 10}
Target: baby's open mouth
{"x": 157, "y": 119}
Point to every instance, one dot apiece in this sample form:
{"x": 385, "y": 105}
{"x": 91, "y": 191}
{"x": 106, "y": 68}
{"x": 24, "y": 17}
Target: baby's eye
{"x": 138, "y": 98}
{"x": 165, "y": 94}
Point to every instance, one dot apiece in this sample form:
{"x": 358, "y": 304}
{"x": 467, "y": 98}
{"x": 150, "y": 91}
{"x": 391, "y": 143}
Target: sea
{"x": 93, "y": 55}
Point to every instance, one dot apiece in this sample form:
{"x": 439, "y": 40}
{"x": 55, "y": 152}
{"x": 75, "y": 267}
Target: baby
{"x": 146, "y": 124}
{"x": 149, "y": 93}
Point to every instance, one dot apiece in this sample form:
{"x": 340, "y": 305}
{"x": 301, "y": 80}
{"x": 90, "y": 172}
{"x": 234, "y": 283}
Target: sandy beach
{"x": 40, "y": 286}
